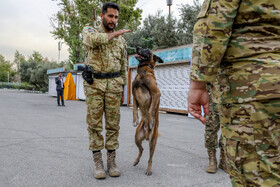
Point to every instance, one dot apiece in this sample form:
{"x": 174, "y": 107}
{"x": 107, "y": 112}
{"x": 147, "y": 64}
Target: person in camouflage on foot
{"x": 238, "y": 43}
{"x": 106, "y": 57}
{"x": 212, "y": 127}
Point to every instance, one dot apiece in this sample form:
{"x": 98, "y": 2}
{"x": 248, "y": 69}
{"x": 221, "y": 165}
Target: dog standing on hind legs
{"x": 146, "y": 96}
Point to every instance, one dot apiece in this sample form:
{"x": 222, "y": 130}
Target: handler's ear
{"x": 157, "y": 59}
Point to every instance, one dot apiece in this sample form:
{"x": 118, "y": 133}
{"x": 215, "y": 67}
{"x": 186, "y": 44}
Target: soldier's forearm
{"x": 115, "y": 34}
{"x": 94, "y": 39}
{"x": 198, "y": 85}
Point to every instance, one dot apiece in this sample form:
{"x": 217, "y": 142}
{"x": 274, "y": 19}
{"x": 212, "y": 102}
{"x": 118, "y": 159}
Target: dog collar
{"x": 144, "y": 64}
{"x": 151, "y": 66}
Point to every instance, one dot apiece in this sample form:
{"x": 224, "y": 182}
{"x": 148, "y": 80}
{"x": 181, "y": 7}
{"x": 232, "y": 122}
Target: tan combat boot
{"x": 212, "y": 167}
{"x": 113, "y": 169}
{"x": 223, "y": 163}
{"x": 99, "y": 172}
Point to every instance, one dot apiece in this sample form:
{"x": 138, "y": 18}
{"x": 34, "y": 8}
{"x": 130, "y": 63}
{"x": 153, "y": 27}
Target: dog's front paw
{"x": 135, "y": 124}
{"x": 152, "y": 124}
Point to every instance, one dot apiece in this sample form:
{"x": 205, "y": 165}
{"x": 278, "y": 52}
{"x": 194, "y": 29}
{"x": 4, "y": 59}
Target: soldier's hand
{"x": 121, "y": 32}
{"x": 198, "y": 97}
{"x": 116, "y": 34}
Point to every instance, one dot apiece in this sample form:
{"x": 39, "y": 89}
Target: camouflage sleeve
{"x": 215, "y": 94}
{"x": 212, "y": 32}
{"x": 124, "y": 63}
{"x": 92, "y": 38}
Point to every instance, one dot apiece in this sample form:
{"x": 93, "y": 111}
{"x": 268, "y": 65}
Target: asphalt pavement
{"x": 42, "y": 144}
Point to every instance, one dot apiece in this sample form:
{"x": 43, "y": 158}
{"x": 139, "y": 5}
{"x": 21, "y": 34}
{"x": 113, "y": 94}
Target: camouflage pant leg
{"x": 112, "y": 117}
{"x": 212, "y": 127}
{"x": 222, "y": 141}
{"x": 252, "y": 132}
{"x": 95, "y": 108}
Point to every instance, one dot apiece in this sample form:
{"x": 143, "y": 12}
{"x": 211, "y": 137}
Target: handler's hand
{"x": 115, "y": 34}
{"x": 197, "y": 97}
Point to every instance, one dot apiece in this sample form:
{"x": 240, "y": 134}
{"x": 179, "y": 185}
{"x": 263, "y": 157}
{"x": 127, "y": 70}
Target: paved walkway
{"x": 45, "y": 145}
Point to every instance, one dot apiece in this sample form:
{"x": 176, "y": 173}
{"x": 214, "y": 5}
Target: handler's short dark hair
{"x": 110, "y": 5}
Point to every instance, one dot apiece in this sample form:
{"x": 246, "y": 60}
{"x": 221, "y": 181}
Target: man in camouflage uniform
{"x": 212, "y": 127}
{"x": 106, "y": 56}
{"x": 238, "y": 41}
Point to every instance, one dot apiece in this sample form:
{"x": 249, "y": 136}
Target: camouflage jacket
{"x": 104, "y": 56}
{"x": 239, "y": 40}
{"x": 213, "y": 91}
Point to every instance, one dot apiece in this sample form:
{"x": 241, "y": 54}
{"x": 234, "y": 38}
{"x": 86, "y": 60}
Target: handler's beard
{"x": 106, "y": 25}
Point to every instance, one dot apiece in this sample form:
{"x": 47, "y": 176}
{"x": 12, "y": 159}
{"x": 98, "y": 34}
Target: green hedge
{"x": 44, "y": 90}
{"x": 24, "y": 86}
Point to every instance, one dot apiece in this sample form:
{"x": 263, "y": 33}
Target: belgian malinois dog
{"x": 146, "y": 96}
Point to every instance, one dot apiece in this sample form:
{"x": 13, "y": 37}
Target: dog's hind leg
{"x": 152, "y": 144}
{"x": 139, "y": 137}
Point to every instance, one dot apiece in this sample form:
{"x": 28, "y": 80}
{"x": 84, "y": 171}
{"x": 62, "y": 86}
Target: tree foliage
{"x": 39, "y": 77}
{"x": 162, "y": 29}
{"x": 27, "y": 66}
{"x": 17, "y": 59}
{"x": 188, "y": 15}
{"x": 36, "y": 57}
{"x": 69, "y": 21}
{"x": 25, "y": 70}
{"x": 159, "y": 31}
{"x": 5, "y": 69}
{"x": 34, "y": 70}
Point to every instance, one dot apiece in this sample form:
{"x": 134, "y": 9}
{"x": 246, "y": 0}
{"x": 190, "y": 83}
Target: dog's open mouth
{"x": 140, "y": 58}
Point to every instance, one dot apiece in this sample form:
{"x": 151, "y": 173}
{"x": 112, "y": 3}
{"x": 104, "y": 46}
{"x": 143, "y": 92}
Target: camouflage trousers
{"x": 252, "y": 133}
{"x": 99, "y": 102}
{"x": 212, "y": 127}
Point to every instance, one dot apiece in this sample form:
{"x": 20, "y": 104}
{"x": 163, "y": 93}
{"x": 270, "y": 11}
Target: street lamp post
{"x": 59, "y": 48}
{"x": 169, "y": 3}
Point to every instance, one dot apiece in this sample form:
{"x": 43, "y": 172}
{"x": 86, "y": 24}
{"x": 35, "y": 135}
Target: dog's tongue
{"x": 140, "y": 56}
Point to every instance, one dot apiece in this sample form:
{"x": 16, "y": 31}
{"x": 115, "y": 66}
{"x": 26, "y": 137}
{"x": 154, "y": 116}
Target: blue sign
{"x": 171, "y": 55}
{"x": 57, "y": 70}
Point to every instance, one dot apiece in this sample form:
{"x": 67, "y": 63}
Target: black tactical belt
{"x": 106, "y": 75}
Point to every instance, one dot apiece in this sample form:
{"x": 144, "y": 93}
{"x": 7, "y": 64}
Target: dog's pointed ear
{"x": 157, "y": 59}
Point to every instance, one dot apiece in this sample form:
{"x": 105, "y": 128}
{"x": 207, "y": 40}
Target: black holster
{"x": 87, "y": 74}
